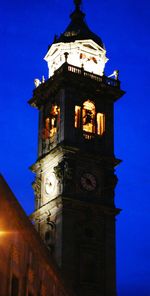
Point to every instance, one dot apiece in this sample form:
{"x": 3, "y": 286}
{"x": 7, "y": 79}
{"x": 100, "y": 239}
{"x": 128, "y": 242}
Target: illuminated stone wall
{"x": 25, "y": 264}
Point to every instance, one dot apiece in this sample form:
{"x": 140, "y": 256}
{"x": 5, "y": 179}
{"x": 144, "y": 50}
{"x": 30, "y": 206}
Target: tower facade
{"x": 75, "y": 176}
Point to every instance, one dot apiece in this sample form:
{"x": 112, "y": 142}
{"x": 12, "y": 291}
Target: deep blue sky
{"x": 26, "y": 29}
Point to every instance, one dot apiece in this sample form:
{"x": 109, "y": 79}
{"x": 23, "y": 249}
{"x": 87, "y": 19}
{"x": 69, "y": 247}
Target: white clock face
{"x": 88, "y": 182}
{"x": 50, "y": 183}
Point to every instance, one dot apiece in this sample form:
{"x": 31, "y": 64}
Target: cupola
{"x": 83, "y": 47}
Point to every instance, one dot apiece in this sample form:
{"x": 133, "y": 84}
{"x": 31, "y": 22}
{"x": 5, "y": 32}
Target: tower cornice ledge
{"x": 64, "y": 150}
{"x": 66, "y": 74}
{"x": 77, "y": 204}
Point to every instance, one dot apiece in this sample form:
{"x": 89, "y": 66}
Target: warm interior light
{"x": 90, "y": 121}
{"x": 77, "y": 116}
{"x": 54, "y": 120}
{"x": 51, "y": 123}
{"x": 100, "y": 123}
{"x": 88, "y": 117}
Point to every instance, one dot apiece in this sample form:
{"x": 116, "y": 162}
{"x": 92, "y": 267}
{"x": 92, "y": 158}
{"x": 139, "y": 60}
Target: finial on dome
{"x": 77, "y": 4}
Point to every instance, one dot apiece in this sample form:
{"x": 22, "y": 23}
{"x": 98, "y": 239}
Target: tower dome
{"x": 78, "y": 29}
{"x": 84, "y": 48}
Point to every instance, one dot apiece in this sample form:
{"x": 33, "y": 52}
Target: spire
{"x": 77, "y": 4}
{"x": 78, "y": 29}
{"x": 77, "y": 14}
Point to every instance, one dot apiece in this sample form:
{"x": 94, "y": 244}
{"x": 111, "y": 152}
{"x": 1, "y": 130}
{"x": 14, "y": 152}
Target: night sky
{"x": 26, "y": 30}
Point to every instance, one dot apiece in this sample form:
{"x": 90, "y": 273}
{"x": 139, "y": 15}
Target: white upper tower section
{"x": 81, "y": 53}
{"x": 84, "y": 48}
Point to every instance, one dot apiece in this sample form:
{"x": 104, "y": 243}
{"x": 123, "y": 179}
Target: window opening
{"x": 100, "y": 124}
{"x": 90, "y": 121}
{"x": 88, "y": 117}
{"x": 54, "y": 120}
{"x": 51, "y": 123}
{"x": 77, "y": 116}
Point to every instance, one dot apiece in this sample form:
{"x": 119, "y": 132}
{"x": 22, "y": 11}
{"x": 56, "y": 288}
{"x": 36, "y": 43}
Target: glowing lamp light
{"x": 2, "y": 233}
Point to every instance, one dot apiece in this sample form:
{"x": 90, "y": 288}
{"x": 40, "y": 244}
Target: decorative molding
{"x": 63, "y": 171}
{"x": 36, "y": 185}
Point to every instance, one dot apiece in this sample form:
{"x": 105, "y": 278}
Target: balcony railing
{"x": 80, "y": 71}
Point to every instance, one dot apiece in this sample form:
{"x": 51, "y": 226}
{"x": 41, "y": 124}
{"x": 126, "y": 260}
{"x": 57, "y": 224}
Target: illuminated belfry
{"x": 74, "y": 173}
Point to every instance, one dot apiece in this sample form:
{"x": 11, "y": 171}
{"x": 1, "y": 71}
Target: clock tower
{"x": 74, "y": 173}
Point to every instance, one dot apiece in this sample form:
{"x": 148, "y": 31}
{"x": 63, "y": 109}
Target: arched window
{"x": 54, "y": 116}
{"x": 89, "y": 120}
{"x": 88, "y": 117}
{"x": 51, "y": 123}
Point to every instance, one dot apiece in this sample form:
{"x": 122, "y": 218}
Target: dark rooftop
{"x": 78, "y": 29}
